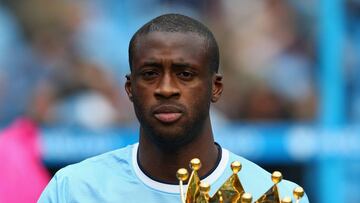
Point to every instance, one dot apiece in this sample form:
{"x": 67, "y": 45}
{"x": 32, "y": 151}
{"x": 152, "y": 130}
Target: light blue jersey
{"x": 115, "y": 177}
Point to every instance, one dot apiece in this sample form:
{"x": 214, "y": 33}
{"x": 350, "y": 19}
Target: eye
{"x": 186, "y": 75}
{"x": 150, "y": 74}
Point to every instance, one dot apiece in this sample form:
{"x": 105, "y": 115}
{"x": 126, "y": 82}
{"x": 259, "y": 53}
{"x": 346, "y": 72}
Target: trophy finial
{"x": 286, "y": 200}
{"x": 204, "y": 188}
{"x": 235, "y": 167}
{"x": 204, "y": 193}
{"x": 246, "y": 198}
{"x": 276, "y": 177}
{"x": 195, "y": 164}
{"x": 298, "y": 193}
{"x": 182, "y": 174}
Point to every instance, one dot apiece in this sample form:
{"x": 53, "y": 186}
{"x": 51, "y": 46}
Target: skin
{"x": 171, "y": 87}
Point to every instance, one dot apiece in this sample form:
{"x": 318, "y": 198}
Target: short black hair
{"x": 182, "y": 24}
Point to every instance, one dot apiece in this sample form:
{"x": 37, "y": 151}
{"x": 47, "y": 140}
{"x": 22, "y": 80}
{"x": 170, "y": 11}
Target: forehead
{"x": 171, "y": 45}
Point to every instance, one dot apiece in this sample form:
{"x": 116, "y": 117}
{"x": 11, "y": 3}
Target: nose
{"x": 167, "y": 87}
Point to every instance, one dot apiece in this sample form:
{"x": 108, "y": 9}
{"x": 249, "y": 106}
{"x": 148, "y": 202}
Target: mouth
{"x": 167, "y": 113}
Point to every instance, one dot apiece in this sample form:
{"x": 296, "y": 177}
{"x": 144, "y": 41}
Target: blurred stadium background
{"x": 291, "y": 71}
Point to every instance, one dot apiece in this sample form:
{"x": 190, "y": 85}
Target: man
{"x": 174, "y": 77}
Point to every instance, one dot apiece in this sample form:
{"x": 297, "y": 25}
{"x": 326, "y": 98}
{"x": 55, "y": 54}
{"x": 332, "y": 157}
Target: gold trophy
{"x": 231, "y": 191}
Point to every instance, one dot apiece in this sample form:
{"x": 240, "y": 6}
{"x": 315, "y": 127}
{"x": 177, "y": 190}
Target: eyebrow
{"x": 151, "y": 63}
{"x": 155, "y": 63}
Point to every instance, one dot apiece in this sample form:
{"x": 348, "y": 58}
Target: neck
{"x": 162, "y": 164}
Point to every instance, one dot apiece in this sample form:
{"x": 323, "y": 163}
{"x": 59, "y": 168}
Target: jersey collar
{"x": 172, "y": 188}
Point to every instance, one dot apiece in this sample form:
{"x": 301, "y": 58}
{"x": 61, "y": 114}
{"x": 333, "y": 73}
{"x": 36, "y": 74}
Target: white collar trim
{"x": 169, "y": 188}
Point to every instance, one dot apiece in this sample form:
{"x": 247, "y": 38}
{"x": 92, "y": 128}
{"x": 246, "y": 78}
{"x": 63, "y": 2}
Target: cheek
{"x": 142, "y": 91}
{"x": 199, "y": 99}
{"x": 141, "y": 97}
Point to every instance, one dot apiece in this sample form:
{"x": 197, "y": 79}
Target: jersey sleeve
{"x": 55, "y": 191}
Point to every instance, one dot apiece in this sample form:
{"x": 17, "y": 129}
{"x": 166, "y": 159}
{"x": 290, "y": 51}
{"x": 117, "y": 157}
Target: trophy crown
{"x": 231, "y": 191}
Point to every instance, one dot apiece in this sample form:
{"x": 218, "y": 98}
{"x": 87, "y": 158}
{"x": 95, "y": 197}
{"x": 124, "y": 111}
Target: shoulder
{"x": 117, "y": 159}
{"x": 251, "y": 173}
{"x": 90, "y": 174}
{"x": 257, "y": 180}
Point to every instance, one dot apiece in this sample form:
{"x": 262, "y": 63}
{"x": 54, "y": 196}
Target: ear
{"x": 128, "y": 87}
{"x": 217, "y": 87}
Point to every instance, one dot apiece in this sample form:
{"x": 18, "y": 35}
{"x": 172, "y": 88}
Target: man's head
{"x": 174, "y": 62}
{"x": 176, "y": 23}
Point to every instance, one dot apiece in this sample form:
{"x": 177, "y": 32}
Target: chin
{"x": 171, "y": 139}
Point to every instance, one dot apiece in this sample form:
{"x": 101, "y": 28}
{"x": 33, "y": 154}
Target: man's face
{"x": 171, "y": 86}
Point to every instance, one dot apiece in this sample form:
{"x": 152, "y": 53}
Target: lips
{"x": 168, "y": 113}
